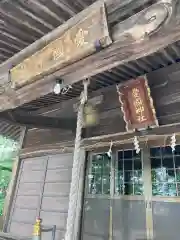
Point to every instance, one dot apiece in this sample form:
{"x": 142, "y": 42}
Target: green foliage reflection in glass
{"x": 99, "y": 175}
{"x": 8, "y": 151}
{"x": 165, "y": 171}
{"x": 128, "y": 173}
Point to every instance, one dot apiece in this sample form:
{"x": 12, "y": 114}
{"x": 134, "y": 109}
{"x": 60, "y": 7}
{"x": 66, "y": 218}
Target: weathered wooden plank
{"x": 39, "y": 137}
{"x": 127, "y": 46}
{"x": 76, "y": 43}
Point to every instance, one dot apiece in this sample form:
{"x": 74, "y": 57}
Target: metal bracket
{"x": 148, "y": 204}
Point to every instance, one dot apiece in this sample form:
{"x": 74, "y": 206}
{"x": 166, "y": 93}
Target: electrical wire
{"x": 66, "y": 89}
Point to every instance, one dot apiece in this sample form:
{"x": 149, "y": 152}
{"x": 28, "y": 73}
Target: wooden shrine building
{"x": 90, "y": 94}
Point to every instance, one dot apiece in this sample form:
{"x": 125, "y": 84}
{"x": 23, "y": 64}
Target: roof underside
{"x": 168, "y": 56}
{"x": 10, "y": 130}
{"x": 24, "y": 21}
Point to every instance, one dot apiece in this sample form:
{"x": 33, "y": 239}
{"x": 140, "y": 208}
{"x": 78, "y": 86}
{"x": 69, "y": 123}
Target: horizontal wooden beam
{"x": 125, "y": 138}
{"x": 132, "y": 39}
{"x": 29, "y": 120}
{"x": 156, "y": 137}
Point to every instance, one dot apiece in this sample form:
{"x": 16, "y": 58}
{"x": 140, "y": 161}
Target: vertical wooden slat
{"x": 148, "y": 192}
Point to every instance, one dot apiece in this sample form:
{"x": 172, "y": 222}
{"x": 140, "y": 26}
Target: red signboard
{"x": 137, "y": 104}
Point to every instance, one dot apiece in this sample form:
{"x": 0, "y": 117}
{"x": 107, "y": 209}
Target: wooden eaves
{"x": 132, "y": 39}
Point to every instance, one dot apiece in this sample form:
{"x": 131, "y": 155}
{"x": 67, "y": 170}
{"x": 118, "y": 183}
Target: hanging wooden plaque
{"x": 76, "y": 43}
{"x": 137, "y": 104}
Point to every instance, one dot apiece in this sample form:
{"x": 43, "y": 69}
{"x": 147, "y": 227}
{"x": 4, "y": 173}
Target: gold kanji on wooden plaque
{"x": 137, "y": 104}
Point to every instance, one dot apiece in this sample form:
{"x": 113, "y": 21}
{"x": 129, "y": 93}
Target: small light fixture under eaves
{"x": 58, "y": 87}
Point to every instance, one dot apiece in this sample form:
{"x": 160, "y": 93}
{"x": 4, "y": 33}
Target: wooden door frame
{"x": 43, "y": 151}
{"x": 12, "y": 185}
{"x": 23, "y": 155}
{"x": 145, "y": 158}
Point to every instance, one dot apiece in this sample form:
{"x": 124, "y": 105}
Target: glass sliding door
{"x": 165, "y": 173}
{"x": 129, "y": 210}
{"x": 133, "y": 196}
{"x": 128, "y": 174}
{"x": 96, "y": 214}
{"x": 115, "y": 205}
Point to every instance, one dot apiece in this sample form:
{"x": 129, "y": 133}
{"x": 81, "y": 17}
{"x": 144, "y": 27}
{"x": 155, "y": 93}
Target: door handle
{"x": 148, "y": 204}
